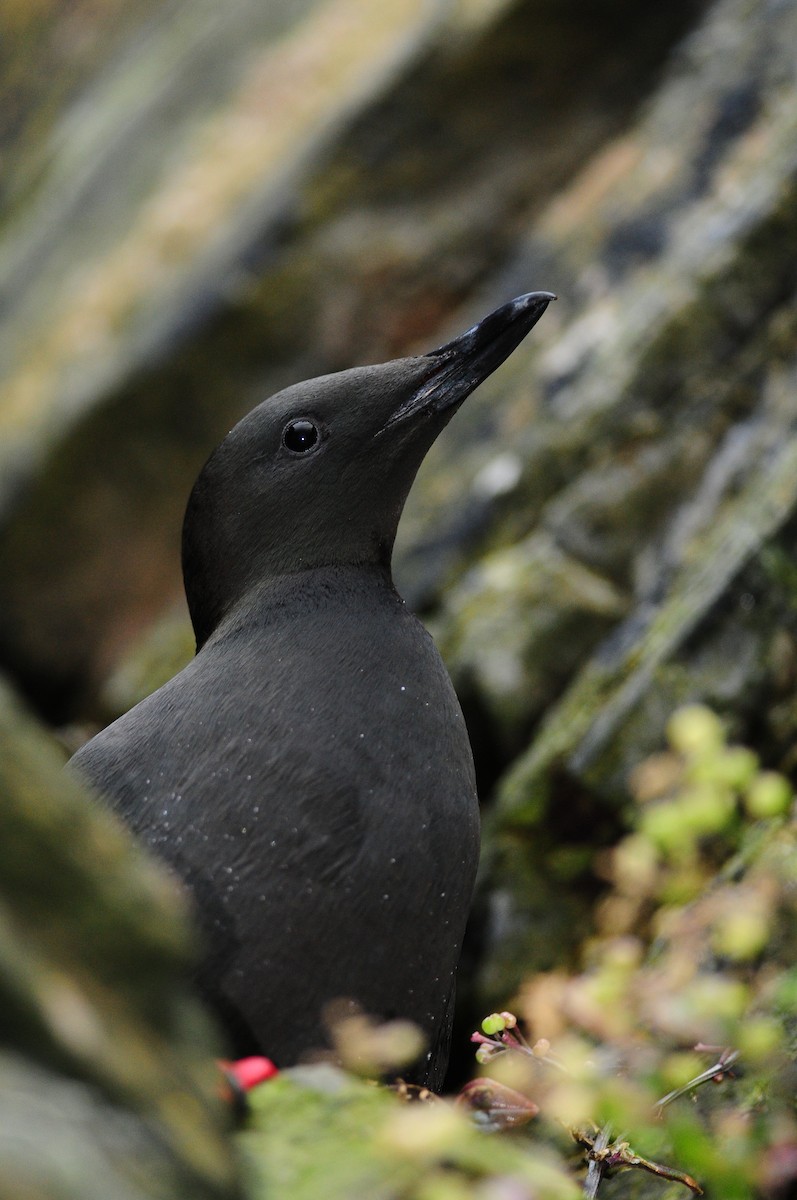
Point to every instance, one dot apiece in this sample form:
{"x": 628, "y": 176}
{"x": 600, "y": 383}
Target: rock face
{"x": 661, "y": 459}
{"x": 107, "y": 1081}
{"x": 661, "y": 455}
{"x": 607, "y": 530}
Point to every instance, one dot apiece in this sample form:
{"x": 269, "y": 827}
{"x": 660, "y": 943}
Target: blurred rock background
{"x": 200, "y": 204}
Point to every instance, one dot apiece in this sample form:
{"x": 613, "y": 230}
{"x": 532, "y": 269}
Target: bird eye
{"x": 300, "y": 436}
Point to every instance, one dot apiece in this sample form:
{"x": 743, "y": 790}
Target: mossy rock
{"x": 107, "y": 1066}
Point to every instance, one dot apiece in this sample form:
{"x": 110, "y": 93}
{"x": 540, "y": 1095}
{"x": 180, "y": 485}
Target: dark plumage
{"x": 308, "y": 774}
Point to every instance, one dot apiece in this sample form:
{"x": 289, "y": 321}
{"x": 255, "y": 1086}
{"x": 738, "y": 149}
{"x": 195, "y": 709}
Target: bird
{"x": 308, "y": 776}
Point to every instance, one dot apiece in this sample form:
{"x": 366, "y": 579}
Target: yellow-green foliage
{"x": 330, "y": 1135}
{"x": 695, "y": 947}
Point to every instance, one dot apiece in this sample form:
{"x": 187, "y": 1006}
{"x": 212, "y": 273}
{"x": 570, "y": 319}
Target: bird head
{"x": 317, "y": 475}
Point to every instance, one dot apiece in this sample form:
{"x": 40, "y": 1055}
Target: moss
{"x": 317, "y": 1132}
{"x": 519, "y": 624}
{"x": 780, "y": 569}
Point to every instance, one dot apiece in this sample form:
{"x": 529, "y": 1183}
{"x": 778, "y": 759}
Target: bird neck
{"x": 293, "y": 592}
{"x": 231, "y": 553}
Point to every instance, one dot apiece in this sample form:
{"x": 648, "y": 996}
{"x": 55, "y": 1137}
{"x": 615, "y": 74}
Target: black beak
{"x": 457, "y": 368}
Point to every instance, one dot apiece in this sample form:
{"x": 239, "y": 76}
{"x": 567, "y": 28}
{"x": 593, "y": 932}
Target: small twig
{"x": 717, "y": 1072}
{"x": 621, "y": 1156}
{"x": 596, "y": 1155}
{"x": 604, "y": 1155}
